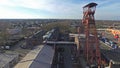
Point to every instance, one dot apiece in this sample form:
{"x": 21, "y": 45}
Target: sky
{"x": 57, "y": 9}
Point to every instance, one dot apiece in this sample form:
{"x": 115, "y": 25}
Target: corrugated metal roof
{"x": 6, "y": 58}
{"x": 113, "y": 56}
{"x": 29, "y": 58}
{"x": 40, "y": 57}
{"x": 44, "y": 58}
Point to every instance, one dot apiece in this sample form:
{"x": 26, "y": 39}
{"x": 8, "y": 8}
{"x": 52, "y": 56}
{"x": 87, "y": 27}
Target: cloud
{"x": 55, "y": 8}
{"x": 52, "y": 6}
{"x": 108, "y": 11}
{"x": 9, "y": 13}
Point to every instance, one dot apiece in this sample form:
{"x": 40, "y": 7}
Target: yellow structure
{"x": 114, "y": 31}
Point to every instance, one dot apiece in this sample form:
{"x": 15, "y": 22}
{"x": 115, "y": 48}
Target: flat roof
{"x": 59, "y": 42}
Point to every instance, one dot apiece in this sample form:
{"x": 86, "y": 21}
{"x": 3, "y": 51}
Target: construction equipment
{"x": 92, "y": 51}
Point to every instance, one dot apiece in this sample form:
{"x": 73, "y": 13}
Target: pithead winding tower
{"x": 92, "y": 51}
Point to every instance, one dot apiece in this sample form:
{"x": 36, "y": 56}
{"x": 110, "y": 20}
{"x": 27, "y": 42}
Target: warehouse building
{"x": 8, "y": 60}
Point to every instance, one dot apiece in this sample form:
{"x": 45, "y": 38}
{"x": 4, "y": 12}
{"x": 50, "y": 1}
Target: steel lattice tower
{"x": 92, "y": 51}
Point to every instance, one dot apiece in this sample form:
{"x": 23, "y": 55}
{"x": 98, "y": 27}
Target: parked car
{"x": 113, "y": 44}
{"x": 104, "y": 39}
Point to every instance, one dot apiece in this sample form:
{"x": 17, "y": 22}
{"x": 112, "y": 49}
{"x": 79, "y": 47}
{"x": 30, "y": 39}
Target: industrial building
{"x": 40, "y": 56}
{"x": 8, "y": 60}
{"x": 86, "y": 50}
{"x": 35, "y": 39}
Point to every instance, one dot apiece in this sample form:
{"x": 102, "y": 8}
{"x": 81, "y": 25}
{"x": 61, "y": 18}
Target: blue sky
{"x": 58, "y": 9}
